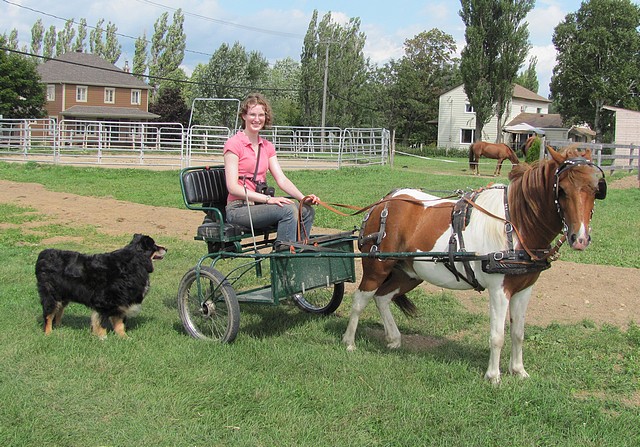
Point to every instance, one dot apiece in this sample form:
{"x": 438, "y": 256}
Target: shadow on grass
{"x": 370, "y": 337}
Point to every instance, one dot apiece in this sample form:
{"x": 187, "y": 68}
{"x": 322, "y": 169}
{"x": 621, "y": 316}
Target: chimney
{"x": 126, "y": 67}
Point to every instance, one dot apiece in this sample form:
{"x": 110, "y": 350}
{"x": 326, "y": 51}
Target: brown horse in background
{"x": 499, "y": 151}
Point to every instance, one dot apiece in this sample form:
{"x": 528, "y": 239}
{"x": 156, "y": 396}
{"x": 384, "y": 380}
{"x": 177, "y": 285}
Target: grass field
{"x": 287, "y": 380}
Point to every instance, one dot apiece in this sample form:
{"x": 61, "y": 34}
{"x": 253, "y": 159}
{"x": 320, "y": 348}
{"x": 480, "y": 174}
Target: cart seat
{"x": 205, "y": 189}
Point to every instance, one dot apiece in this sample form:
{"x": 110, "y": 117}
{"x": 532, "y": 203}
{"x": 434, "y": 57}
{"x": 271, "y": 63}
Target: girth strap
{"x": 460, "y": 216}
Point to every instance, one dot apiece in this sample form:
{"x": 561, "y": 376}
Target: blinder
{"x": 601, "y": 192}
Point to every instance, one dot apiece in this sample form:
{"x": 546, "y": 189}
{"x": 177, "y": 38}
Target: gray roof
{"x": 540, "y": 120}
{"x": 523, "y": 93}
{"x": 86, "y": 69}
{"x": 107, "y": 112}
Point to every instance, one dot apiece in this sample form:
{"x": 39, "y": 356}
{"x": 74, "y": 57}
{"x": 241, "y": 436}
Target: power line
{"x": 160, "y": 78}
{"x": 226, "y": 23}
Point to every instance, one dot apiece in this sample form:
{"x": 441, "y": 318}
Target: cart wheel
{"x": 214, "y": 313}
{"x": 323, "y": 300}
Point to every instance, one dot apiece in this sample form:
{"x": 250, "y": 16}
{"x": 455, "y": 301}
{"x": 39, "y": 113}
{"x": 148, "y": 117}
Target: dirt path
{"x": 566, "y": 293}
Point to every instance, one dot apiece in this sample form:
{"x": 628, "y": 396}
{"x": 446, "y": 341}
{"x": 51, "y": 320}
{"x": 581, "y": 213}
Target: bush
{"x": 534, "y": 151}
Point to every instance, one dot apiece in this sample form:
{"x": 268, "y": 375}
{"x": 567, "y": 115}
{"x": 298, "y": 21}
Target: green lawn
{"x": 287, "y": 380}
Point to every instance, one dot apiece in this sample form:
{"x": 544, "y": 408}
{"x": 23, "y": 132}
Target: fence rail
{"x": 170, "y": 145}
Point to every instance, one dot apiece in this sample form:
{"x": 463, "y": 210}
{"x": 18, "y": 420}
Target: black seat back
{"x": 206, "y": 186}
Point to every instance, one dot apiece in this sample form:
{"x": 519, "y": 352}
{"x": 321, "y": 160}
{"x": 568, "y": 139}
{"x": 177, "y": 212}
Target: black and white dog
{"x": 112, "y": 284}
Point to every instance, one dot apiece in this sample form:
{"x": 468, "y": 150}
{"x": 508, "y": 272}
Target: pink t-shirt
{"x": 240, "y": 145}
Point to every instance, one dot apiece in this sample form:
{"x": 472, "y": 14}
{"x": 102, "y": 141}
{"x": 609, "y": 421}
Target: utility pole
{"x": 324, "y": 88}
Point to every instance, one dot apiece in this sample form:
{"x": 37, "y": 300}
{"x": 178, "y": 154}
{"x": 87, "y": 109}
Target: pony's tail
{"x": 406, "y": 305}
{"x": 471, "y": 156}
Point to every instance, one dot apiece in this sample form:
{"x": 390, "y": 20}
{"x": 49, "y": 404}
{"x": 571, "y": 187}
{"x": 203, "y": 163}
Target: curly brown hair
{"x": 254, "y": 99}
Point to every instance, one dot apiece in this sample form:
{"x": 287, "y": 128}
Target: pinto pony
{"x": 521, "y": 220}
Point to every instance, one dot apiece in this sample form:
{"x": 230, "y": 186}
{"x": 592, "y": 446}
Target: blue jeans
{"x": 264, "y": 216}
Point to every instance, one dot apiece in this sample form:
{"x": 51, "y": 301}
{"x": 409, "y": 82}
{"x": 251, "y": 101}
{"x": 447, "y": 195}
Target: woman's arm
{"x": 284, "y": 183}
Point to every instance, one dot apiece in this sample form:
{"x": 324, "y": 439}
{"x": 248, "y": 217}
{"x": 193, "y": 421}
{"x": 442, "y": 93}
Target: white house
{"x": 457, "y": 120}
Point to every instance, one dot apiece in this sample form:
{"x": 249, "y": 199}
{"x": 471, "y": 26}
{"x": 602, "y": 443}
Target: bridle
{"x": 566, "y": 165}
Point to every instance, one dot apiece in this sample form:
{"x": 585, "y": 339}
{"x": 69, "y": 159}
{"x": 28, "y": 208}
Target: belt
{"x": 240, "y": 203}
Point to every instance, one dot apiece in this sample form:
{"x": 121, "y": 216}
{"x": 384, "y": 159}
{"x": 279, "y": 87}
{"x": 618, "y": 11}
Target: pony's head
{"x": 577, "y": 184}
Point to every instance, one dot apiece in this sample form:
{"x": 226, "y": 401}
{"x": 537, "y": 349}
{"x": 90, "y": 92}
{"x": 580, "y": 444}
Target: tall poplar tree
{"x": 496, "y": 47}
{"x": 140, "y": 57}
{"x": 37, "y": 36}
{"x": 167, "y": 48}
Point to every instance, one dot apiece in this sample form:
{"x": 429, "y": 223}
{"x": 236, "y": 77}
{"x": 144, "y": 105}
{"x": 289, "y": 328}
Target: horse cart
{"x": 241, "y": 265}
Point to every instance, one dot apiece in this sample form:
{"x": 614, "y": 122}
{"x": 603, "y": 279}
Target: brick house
{"x": 83, "y": 86}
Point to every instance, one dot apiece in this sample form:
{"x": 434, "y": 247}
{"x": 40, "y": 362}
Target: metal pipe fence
{"x": 171, "y": 146}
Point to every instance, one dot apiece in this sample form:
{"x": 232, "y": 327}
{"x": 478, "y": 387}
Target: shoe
{"x": 281, "y": 246}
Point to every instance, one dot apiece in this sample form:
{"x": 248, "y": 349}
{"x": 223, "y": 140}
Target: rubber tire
{"x": 221, "y": 326}
{"x": 308, "y": 301}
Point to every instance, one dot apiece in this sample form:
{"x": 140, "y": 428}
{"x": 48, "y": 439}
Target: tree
{"x": 95, "y": 39}
{"x": 21, "y": 93}
{"x": 37, "y": 35}
{"x": 529, "y": 77}
{"x": 284, "y": 80}
{"x": 427, "y": 69}
{"x": 167, "y": 48}
{"x": 111, "y": 49}
{"x": 65, "y": 38}
{"x": 171, "y": 107}
{"x": 597, "y": 62}
{"x": 79, "y": 44}
{"x": 49, "y": 42}
{"x": 232, "y": 72}
{"x": 496, "y": 45}
{"x": 140, "y": 57}
{"x": 335, "y": 51}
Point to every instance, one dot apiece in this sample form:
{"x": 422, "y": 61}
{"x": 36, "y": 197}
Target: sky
{"x": 276, "y": 28}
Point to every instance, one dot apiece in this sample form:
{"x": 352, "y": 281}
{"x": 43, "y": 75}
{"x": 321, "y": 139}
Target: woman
{"x": 247, "y": 157}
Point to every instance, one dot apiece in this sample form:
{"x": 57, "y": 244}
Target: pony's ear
{"x": 587, "y": 154}
{"x": 557, "y": 156}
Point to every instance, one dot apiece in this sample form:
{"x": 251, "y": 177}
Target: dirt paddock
{"x": 566, "y": 293}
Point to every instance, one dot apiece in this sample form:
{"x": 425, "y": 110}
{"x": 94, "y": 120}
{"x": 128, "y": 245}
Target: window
{"x": 135, "y": 97}
{"x": 467, "y": 136}
{"x": 468, "y": 108}
{"x": 539, "y": 110}
{"x": 109, "y": 95}
{"x": 81, "y": 93}
{"x": 51, "y": 92}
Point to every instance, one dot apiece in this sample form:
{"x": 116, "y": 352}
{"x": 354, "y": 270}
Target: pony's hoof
{"x": 522, "y": 374}
{"x": 393, "y": 344}
{"x": 351, "y": 348}
{"x": 493, "y": 379}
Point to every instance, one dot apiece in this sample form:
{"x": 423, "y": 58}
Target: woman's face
{"x": 254, "y": 118}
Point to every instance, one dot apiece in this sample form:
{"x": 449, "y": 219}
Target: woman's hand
{"x": 280, "y": 201}
{"x": 312, "y": 199}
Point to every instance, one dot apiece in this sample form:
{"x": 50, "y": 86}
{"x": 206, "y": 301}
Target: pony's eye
{"x": 561, "y": 193}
